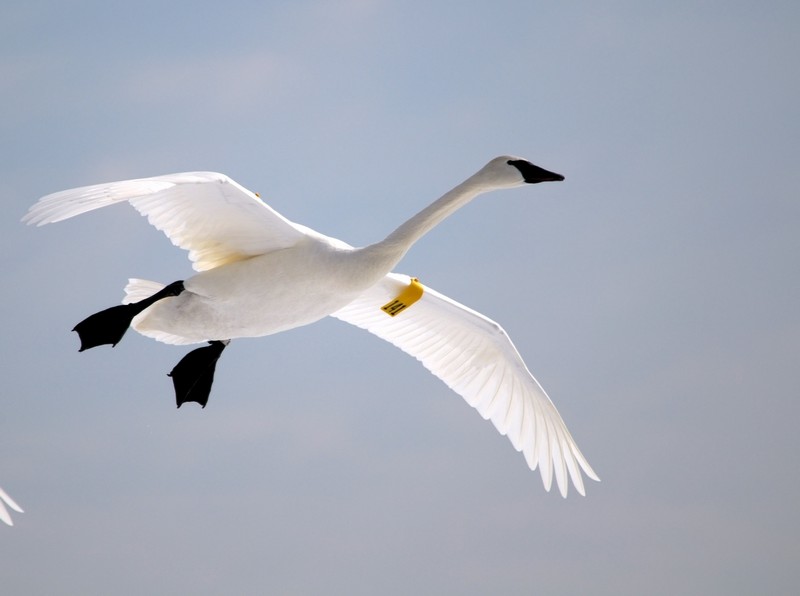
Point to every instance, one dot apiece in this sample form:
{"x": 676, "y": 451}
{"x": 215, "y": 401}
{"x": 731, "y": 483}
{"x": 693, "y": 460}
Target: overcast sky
{"x": 654, "y": 294}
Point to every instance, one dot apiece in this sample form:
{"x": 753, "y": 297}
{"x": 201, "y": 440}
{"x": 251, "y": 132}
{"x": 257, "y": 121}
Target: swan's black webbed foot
{"x": 105, "y": 327}
{"x": 109, "y": 325}
{"x": 194, "y": 374}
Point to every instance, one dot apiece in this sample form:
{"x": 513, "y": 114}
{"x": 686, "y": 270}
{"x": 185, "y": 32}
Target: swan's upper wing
{"x": 5, "y": 500}
{"x": 474, "y": 357}
{"x": 217, "y": 220}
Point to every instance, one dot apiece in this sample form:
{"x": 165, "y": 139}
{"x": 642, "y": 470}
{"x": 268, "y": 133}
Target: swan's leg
{"x": 194, "y": 374}
{"x": 109, "y": 325}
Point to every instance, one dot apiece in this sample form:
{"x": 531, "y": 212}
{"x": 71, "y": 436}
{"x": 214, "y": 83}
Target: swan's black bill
{"x": 532, "y": 173}
{"x": 109, "y": 325}
{"x": 193, "y": 376}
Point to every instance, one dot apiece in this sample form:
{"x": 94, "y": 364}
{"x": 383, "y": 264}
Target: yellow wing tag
{"x": 410, "y": 294}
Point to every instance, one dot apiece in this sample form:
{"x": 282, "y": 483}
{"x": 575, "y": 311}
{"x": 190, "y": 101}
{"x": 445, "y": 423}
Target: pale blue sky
{"x": 653, "y": 293}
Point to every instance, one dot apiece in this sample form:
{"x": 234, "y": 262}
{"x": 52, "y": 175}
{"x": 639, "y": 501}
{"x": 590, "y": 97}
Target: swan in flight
{"x": 6, "y": 501}
{"x": 259, "y": 274}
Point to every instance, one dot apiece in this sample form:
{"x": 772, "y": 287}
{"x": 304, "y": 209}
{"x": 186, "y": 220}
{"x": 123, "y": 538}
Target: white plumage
{"x": 6, "y": 501}
{"x": 259, "y": 273}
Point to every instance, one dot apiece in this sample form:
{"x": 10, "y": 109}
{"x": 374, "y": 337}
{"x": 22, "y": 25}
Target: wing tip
{"x": 5, "y": 500}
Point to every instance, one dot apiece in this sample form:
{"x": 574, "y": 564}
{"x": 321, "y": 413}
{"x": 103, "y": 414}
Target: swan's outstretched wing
{"x": 217, "y": 220}
{"x": 5, "y": 500}
{"x": 474, "y": 357}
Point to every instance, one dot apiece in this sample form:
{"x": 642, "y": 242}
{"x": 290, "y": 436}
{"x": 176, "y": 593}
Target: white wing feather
{"x": 473, "y": 356}
{"x": 217, "y": 220}
{"x": 5, "y": 500}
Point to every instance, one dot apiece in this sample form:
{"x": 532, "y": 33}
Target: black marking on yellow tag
{"x": 410, "y": 294}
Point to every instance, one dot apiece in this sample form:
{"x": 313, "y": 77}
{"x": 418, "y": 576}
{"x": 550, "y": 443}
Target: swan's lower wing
{"x": 217, "y": 220}
{"x": 473, "y": 356}
{"x": 5, "y": 500}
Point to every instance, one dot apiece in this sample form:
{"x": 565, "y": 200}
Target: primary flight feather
{"x": 6, "y": 501}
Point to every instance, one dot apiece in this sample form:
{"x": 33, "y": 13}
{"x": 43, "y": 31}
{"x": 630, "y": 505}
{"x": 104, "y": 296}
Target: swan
{"x": 259, "y": 273}
{"x": 6, "y": 501}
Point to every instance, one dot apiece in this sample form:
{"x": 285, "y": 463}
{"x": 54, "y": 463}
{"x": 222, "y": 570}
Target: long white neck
{"x": 388, "y": 252}
{"x": 372, "y": 262}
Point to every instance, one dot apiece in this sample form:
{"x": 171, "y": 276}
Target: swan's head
{"x": 508, "y": 171}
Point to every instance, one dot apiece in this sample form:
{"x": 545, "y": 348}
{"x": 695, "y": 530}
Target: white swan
{"x": 6, "y": 501}
{"x": 260, "y": 273}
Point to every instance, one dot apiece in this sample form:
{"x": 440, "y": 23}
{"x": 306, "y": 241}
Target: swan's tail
{"x": 140, "y": 289}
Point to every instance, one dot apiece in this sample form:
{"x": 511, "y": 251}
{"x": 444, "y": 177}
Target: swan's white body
{"x": 6, "y": 501}
{"x": 260, "y": 295}
{"x": 260, "y": 274}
